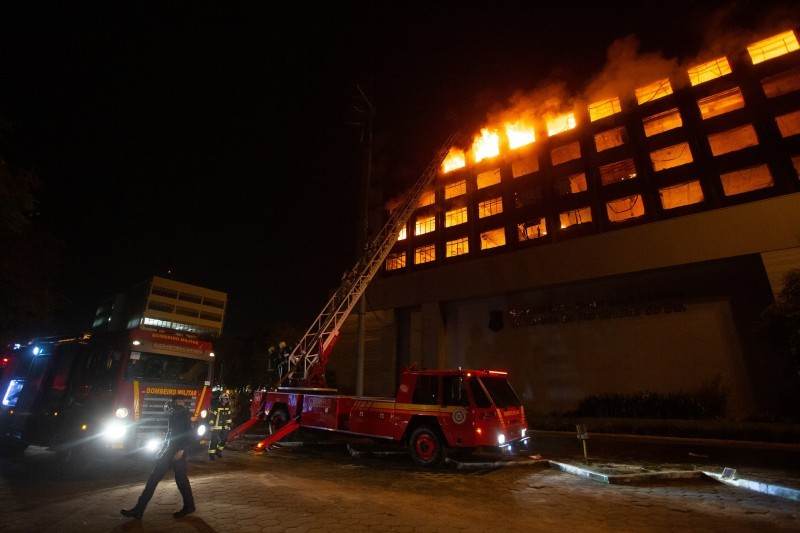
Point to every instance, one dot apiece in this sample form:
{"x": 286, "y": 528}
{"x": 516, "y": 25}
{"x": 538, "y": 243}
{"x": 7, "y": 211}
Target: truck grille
{"x": 153, "y": 420}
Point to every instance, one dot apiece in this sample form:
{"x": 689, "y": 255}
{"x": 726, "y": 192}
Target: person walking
{"x": 173, "y": 455}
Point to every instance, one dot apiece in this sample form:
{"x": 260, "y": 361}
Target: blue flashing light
{"x": 37, "y": 350}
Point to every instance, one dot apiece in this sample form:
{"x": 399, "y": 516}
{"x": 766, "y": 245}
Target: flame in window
{"x": 454, "y": 160}
{"x": 560, "y": 123}
{"x": 519, "y": 134}
{"x": 486, "y": 145}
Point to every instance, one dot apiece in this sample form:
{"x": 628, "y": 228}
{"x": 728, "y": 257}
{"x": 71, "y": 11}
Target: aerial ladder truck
{"x": 434, "y": 410}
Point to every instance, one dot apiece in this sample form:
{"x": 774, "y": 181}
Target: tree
{"x": 781, "y": 327}
{"x": 783, "y": 319}
{"x": 28, "y": 255}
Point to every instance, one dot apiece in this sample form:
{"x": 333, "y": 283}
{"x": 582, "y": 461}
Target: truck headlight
{"x": 501, "y": 439}
{"x": 152, "y": 445}
{"x": 203, "y": 413}
{"x": 122, "y": 412}
{"x": 114, "y": 430}
{"x": 201, "y": 430}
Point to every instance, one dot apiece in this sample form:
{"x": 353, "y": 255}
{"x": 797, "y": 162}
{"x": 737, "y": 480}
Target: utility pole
{"x": 368, "y": 112}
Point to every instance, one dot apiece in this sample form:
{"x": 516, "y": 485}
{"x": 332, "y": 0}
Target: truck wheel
{"x": 278, "y": 419}
{"x": 426, "y": 446}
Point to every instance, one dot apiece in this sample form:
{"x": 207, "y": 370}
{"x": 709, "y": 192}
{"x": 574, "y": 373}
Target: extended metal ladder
{"x": 309, "y": 356}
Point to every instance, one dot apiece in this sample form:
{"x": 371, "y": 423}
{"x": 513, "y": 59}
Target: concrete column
{"x": 434, "y": 346}
{"x": 360, "y": 343}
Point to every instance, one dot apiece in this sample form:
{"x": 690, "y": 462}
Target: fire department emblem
{"x": 459, "y": 415}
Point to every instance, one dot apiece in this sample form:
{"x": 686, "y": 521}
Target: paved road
{"x": 324, "y": 489}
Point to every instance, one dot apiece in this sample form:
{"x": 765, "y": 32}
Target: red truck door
{"x": 456, "y": 417}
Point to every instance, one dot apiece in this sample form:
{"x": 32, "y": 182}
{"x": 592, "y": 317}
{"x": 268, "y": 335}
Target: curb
{"x": 758, "y": 486}
{"x": 761, "y": 487}
{"x": 620, "y": 479}
{"x": 496, "y": 464}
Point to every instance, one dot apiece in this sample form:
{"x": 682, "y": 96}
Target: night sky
{"x": 214, "y": 142}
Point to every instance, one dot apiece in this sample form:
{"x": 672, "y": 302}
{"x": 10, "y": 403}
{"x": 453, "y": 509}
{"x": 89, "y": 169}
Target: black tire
{"x": 426, "y": 446}
{"x": 277, "y": 419}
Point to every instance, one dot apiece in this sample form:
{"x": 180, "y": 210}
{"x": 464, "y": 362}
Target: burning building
{"x": 624, "y": 244}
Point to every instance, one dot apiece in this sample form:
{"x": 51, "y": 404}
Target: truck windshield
{"x": 170, "y": 368}
{"x": 501, "y": 392}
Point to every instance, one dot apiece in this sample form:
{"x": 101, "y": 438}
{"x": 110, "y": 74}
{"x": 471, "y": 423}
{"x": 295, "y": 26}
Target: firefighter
{"x": 273, "y": 366}
{"x": 221, "y": 420}
{"x": 173, "y": 455}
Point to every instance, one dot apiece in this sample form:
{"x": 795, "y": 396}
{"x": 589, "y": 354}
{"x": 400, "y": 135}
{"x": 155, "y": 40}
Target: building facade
{"x": 162, "y": 303}
{"x": 630, "y": 248}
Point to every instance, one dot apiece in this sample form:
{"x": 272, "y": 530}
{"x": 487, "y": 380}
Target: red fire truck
{"x": 433, "y": 410}
{"x": 104, "y": 391}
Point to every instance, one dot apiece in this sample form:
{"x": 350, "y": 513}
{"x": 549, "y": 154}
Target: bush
{"x": 705, "y": 404}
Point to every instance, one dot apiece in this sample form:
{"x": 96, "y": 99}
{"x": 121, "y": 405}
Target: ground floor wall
{"x": 556, "y": 366}
{"x": 690, "y": 330}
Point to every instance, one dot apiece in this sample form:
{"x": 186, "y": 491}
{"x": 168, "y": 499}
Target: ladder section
{"x": 309, "y": 356}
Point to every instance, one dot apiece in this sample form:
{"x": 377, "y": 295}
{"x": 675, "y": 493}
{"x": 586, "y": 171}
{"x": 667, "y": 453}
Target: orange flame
{"x": 486, "y": 145}
{"x": 560, "y": 123}
{"x": 519, "y": 134}
{"x": 455, "y": 159}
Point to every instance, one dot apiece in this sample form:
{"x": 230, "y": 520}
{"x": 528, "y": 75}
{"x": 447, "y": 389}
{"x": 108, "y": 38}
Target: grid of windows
{"x": 604, "y": 108}
{"x": 661, "y": 122}
{"x": 782, "y": 83}
{"x": 493, "y": 238}
{"x": 653, "y": 91}
{"x": 608, "y": 139}
{"x": 457, "y": 247}
{"x": 396, "y": 261}
{"x": 721, "y": 103}
{"x": 532, "y": 229}
{"x": 617, "y": 171}
{"x": 492, "y": 206}
{"x": 567, "y": 152}
{"x": 488, "y": 178}
{"x": 428, "y": 198}
{"x": 454, "y": 217}
{"x": 746, "y": 180}
{"x": 560, "y": 123}
{"x": 671, "y": 156}
{"x": 732, "y": 140}
{"x": 534, "y": 194}
{"x": 525, "y": 166}
{"x": 574, "y": 217}
{"x": 772, "y": 47}
{"x": 455, "y": 189}
{"x": 425, "y": 254}
{"x": 625, "y": 208}
{"x": 425, "y": 224}
{"x": 708, "y": 71}
{"x": 574, "y": 183}
{"x": 528, "y": 197}
{"x": 682, "y": 194}
{"x": 789, "y": 124}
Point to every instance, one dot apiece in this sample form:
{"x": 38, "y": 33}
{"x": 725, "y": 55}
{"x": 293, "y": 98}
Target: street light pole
{"x": 363, "y": 229}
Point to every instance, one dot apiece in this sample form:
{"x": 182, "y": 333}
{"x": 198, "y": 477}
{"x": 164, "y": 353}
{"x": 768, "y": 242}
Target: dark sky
{"x": 213, "y": 141}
